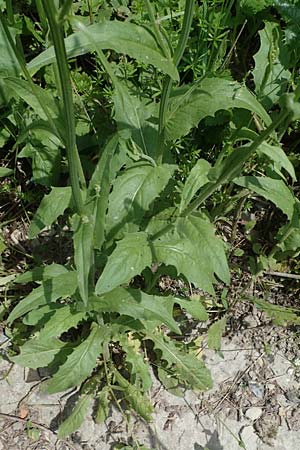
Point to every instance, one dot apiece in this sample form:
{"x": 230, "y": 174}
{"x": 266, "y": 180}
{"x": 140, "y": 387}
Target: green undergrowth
{"x": 139, "y": 132}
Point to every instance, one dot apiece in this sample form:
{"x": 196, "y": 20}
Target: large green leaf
{"x": 190, "y": 370}
{"x": 129, "y": 258}
{"x": 194, "y": 307}
{"x": 194, "y": 250}
{"x": 270, "y": 74}
{"x": 274, "y": 190}
{"x": 123, "y": 37}
{"x": 134, "y": 114}
{"x": 136, "y": 304}
{"x": 63, "y": 318}
{"x": 52, "y": 206}
{"x": 190, "y": 105}
{"x": 109, "y": 163}
{"x": 196, "y": 179}
{"x": 79, "y": 363}
{"x": 77, "y": 416}
{"x": 83, "y": 238}
{"x": 133, "y": 192}
{"x": 41, "y": 273}
{"x": 51, "y": 289}
{"x": 38, "y": 353}
{"x": 278, "y": 158}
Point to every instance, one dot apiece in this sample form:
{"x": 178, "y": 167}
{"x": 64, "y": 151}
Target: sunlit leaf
{"x": 190, "y": 105}
{"x": 123, "y": 37}
{"x": 129, "y": 258}
{"x": 50, "y": 290}
{"x": 137, "y": 304}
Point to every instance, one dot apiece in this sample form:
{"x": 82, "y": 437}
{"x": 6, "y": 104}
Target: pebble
{"x": 253, "y": 413}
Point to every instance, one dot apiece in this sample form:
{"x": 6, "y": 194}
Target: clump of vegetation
{"x": 128, "y": 119}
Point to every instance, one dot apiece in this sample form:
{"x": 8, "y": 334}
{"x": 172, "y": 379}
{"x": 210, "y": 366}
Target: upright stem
{"x": 167, "y": 86}
{"x": 64, "y": 74}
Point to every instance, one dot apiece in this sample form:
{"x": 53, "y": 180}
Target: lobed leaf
{"x": 77, "y": 416}
{"x": 136, "y": 304}
{"x": 189, "y": 369}
{"x": 37, "y": 353}
{"x": 62, "y": 319}
{"x": 274, "y": 190}
{"x": 79, "y": 363}
{"x": 133, "y": 192}
{"x": 52, "y": 289}
{"x": 129, "y": 258}
{"x": 195, "y": 251}
{"x": 190, "y": 105}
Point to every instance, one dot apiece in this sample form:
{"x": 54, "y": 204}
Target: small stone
{"x": 257, "y": 389}
{"x": 253, "y": 413}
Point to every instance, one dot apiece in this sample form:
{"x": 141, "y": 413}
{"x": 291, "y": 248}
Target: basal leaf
{"x": 77, "y": 416}
{"x": 41, "y": 273}
{"x": 194, "y": 307}
{"x": 196, "y": 179}
{"x": 129, "y": 258}
{"x": 136, "y": 304}
{"x": 134, "y": 397}
{"x": 79, "y": 363}
{"x": 274, "y": 190}
{"x": 63, "y": 318}
{"x": 215, "y": 333}
{"x": 102, "y": 405}
{"x": 122, "y": 37}
{"x": 50, "y": 290}
{"x": 37, "y": 353}
{"x": 83, "y": 238}
{"x": 134, "y": 356}
{"x": 190, "y": 370}
{"x": 194, "y": 250}
{"x": 52, "y": 206}
{"x": 190, "y": 105}
{"x": 133, "y": 192}
{"x": 278, "y": 158}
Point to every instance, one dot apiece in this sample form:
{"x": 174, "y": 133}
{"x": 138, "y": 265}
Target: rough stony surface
{"x": 254, "y": 405}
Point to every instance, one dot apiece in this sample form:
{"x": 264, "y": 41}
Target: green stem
{"x": 64, "y": 74}
{"x": 27, "y": 75}
{"x": 157, "y": 31}
{"x": 167, "y": 86}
